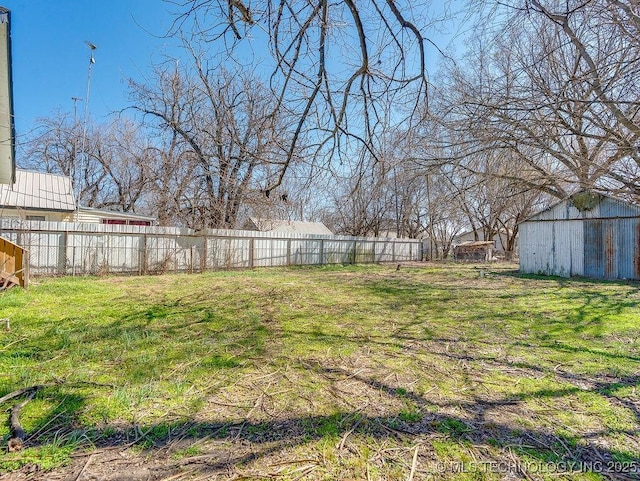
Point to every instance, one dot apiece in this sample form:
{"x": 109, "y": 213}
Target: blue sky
{"x": 50, "y": 56}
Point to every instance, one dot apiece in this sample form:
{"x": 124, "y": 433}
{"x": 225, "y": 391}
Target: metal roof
{"x": 38, "y": 190}
{"x": 115, "y": 214}
{"x": 605, "y": 207}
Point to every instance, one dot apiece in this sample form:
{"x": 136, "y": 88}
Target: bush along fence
{"x": 62, "y": 248}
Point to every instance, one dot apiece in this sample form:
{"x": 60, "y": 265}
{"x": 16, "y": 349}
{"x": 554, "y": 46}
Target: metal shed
{"x": 588, "y": 234}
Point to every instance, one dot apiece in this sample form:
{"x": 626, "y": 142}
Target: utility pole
{"x": 85, "y": 121}
{"x": 75, "y": 109}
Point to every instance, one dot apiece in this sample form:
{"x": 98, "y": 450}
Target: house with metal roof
{"x": 587, "y": 234}
{"x": 42, "y": 196}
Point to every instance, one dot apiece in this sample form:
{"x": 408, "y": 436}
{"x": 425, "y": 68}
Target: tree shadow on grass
{"x": 245, "y": 443}
{"x": 51, "y": 422}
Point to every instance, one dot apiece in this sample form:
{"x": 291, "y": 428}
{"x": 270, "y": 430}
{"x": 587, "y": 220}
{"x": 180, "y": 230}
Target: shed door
{"x": 593, "y": 248}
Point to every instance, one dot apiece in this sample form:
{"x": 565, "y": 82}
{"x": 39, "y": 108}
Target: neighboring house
{"x": 49, "y": 197}
{"x": 587, "y": 234}
{"x": 101, "y": 216}
{"x": 290, "y": 226}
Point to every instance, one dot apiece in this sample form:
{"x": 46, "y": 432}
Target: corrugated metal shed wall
{"x": 600, "y": 243}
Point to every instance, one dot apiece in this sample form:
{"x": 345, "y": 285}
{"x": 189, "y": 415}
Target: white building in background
{"x": 288, "y": 226}
{"x": 40, "y": 196}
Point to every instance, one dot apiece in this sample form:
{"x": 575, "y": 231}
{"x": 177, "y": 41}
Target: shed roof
{"x": 38, "y": 190}
{"x": 598, "y": 206}
{"x": 476, "y": 244}
{"x": 293, "y": 226}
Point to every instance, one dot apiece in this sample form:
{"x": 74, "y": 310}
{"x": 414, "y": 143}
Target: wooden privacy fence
{"x": 61, "y": 248}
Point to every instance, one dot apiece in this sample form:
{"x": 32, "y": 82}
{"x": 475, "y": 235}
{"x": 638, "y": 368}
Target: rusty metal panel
{"x": 593, "y": 248}
{"x": 627, "y": 248}
{"x": 603, "y": 242}
{"x": 610, "y": 249}
{"x": 636, "y": 252}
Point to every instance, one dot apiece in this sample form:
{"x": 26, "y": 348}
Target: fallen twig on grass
{"x": 18, "y": 393}
{"x": 179, "y": 475}
{"x": 4, "y": 348}
{"x": 84, "y": 467}
{"x": 340, "y": 445}
{"x": 414, "y": 463}
{"x": 16, "y": 441}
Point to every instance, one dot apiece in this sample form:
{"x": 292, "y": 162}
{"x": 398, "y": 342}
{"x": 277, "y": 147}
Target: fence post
{"x": 26, "y": 265}
{"x": 203, "y": 261}
{"x": 62, "y": 253}
{"x": 251, "y": 253}
{"x": 144, "y": 258}
{"x": 393, "y": 251}
{"x": 73, "y": 256}
{"x": 321, "y": 251}
{"x": 288, "y": 252}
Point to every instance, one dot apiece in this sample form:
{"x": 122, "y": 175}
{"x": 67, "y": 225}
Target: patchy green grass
{"x": 329, "y": 373}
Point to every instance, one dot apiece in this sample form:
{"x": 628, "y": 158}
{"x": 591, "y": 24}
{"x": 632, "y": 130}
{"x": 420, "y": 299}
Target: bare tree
{"x": 222, "y": 133}
{"x": 556, "y": 91}
{"x": 171, "y": 188}
{"x": 125, "y": 160}
{"x": 333, "y": 64}
{"x": 111, "y": 172}
{"x": 361, "y": 201}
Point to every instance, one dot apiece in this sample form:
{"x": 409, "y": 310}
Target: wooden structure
{"x": 474, "y": 251}
{"x": 12, "y": 265}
